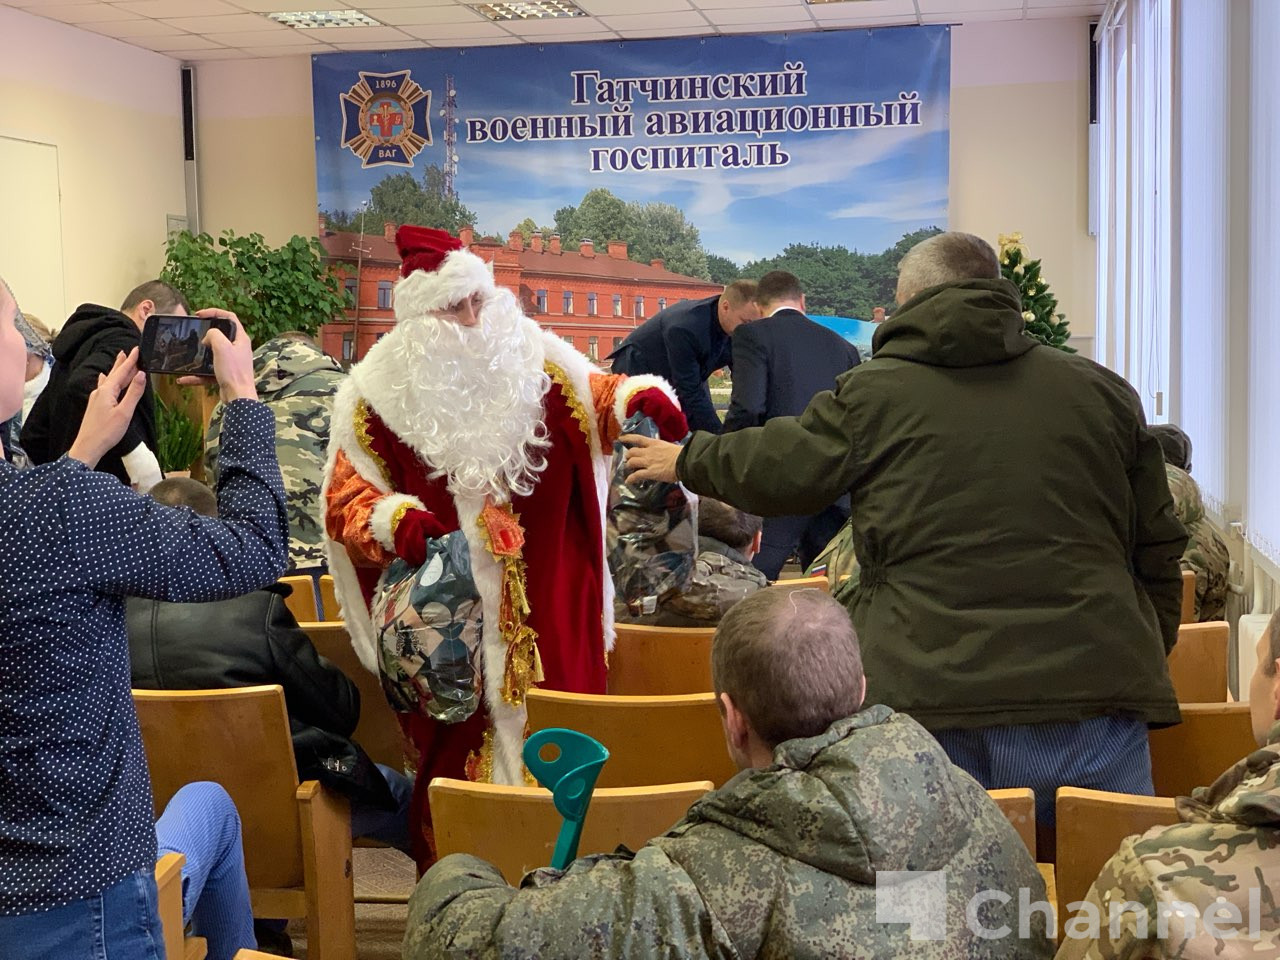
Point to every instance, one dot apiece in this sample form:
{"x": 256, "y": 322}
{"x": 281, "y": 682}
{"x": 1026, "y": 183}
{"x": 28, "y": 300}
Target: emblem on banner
{"x": 385, "y": 119}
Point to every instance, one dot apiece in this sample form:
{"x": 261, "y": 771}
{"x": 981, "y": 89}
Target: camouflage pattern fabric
{"x": 1226, "y": 850}
{"x": 721, "y": 577}
{"x": 838, "y": 562}
{"x": 1206, "y": 554}
{"x": 779, "y": 863}
{"x": 297, "y": 381}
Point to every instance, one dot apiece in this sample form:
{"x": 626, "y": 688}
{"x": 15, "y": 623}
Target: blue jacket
{"x": 684, "y": 344}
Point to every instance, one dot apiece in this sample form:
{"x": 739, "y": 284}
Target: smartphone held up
{"x": 176, "y": 345}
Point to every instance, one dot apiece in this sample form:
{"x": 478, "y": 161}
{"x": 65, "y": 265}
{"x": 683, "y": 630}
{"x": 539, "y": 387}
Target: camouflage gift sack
{"x": 652, "y": 534}
{"x": 429, "y": 622}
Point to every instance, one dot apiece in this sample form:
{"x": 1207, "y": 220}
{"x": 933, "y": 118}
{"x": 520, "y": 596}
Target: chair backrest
{"x": 240, "y": 739}
{"x": 302, "y": 602}
{"x": 650, "y": 739}
{"x": 1019, "y": 807}
{"x": 660, "y": 661}
{"x": 1188, "y": 614}
{"x": 793, "y": 583}
{"x": 329, "y": 608}
{"x": 1090, "y": 826}
{"x": 378, "y": 730}
{"x": 515, "y": 828}
{"x": 1210, "y": 738}
{"x": 1198, "y": 662}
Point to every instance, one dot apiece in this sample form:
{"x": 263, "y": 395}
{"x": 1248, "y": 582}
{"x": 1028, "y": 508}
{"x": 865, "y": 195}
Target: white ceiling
{"x": 237, "y": 29}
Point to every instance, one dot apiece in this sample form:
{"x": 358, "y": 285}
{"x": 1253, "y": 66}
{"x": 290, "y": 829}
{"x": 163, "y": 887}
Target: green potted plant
{"x": 271, "y": 290}
{"x": 178, "y": 439}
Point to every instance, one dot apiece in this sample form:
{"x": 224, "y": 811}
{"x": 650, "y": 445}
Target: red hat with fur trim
{"x": 436, "y": 272}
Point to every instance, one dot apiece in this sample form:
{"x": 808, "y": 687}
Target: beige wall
{"x": 1020, "y": 149}
{"x": 256, "y": 147}
{"x": 112, "y": 114}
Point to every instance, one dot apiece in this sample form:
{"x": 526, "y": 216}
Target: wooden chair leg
{"x": 330, "y": 886}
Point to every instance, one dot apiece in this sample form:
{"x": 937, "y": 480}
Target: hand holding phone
{"x": 178, "y": 344}
{"x": 232, "y": 358}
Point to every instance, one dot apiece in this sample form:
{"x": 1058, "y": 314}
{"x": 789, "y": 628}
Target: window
{"x": 591, "y": 304}
{"x": 568, "y": 340}
{"x": 617, "y": 304}
{"x": 542, "y": 301}
{"x": 351, "y": 285}
{"x": 593, "y": 348}
{"x": 384, "y": 294}
{"x": 617, "y": 342}
{"x": 662, "y": 303}
{"x": 639, "y": 307}
{"x": 568, "y": 302}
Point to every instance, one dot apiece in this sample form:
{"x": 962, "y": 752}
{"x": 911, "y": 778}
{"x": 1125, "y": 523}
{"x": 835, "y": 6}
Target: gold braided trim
{"x": 398, "y": 516}
{"x": 504, "y": 539}
{"x": 557, "y": 375}
{"x": 479, "y": 764}
{"x": 366, "y": 444}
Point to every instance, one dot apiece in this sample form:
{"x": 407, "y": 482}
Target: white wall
{"x": 112, "y": 114}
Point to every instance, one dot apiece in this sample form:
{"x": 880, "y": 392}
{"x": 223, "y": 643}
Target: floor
{"x": 379, "y": 927}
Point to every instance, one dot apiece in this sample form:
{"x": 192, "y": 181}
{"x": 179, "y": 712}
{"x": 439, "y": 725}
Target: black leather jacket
{"x": 254, "y": 639}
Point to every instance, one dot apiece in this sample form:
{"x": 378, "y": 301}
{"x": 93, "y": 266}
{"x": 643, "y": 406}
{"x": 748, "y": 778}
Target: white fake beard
{"x": 472, "y": 403}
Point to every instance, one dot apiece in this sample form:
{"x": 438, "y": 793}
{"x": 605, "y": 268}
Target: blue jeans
{"x": 1102, "y": 753}
{"x": 201, "y": 822}
{"x": 120, "y": 923}
{"x": 386, "y": 826}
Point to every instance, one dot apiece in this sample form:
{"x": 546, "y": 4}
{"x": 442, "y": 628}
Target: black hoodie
{"x": 86, "y": 347}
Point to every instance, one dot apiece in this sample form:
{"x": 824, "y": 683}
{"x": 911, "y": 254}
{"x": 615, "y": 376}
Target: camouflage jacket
{"x": 1226, "y": 849}
{"x": 297, "y": 382}
{"x": 1206, "y": 554}
{"x": 780, "y": 862}
{"x": 721, "y": 577}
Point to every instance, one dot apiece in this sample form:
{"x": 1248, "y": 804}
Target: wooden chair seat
{"x": 515, "y": 828}
{"x": 650, "y": 740}
{"x": 1198, "y": 662}
{"x": 302, "y": 601}
{"x": 297, "y": 836}
{"x": 1211, "y": 737}
{"x": 660, "y": 661}
{"x": 1188, "y": 612}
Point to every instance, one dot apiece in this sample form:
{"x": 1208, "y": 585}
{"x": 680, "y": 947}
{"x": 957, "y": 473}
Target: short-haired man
{"x": 1221, "y": 859}
{"x": 85, "y": 348}
{"x": 685, "y": 343}
{"x": 789, "y": 858}
{"x": 781, "y": 362}
{"x": 1019, "y": 586}
{"x": 878, "y": 315}
{"x": 722, "y": 575}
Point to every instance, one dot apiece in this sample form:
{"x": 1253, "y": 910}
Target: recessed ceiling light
{"x": 319, "y": 19}
{"x": 533, "y": 10}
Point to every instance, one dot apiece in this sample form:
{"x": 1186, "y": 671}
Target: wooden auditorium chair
{"x": 177, "y": 946}
{"x": 515, "y": 828}
{"x": 798, "y": 583}
{"x": 660, "y": 661}
{"x": 329, "y": 599}
{"x": 650, "y": 740}
{"x": 302, "y": 601}
{"x": 1188, "y": 614}
{"x": 1198, "y": 662}
{"x": 1210, "y": 738}
{"x": 297, "y": 837}
{"x": 1019, "y": 807}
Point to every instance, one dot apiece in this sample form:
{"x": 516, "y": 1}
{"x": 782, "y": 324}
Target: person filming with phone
{"x": 77, "y": 832}
{"x": 86, "y": 347}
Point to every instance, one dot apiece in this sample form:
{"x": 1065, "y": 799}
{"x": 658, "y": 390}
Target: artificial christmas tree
{"x": 1038, "y": 304}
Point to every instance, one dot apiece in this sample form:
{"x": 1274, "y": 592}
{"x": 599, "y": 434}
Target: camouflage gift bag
{"x": 652, "y": 535}
{"x": 428, "y": 622}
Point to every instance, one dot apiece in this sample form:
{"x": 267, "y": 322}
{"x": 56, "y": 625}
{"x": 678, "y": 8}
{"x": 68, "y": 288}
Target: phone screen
{"x": 176, "y": 344}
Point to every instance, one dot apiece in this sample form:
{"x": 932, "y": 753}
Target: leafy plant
{"x": 272, "y": 290}
{"x": 178, "y": 439}
{"x": 1038, "y": 304}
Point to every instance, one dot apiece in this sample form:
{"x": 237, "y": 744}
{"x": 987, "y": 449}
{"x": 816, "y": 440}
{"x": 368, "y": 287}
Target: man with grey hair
{"x": 802, "y": 854}
{"x": 1019, "y": 585}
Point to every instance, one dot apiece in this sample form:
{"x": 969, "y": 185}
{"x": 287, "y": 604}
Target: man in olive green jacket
{"x": 1019, "y": 585}
{"x": 801, "y": 855}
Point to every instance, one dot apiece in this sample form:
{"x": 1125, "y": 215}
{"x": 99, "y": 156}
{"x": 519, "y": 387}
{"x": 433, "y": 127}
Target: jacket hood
{"x": 279, "y": 362}
{"x": 1248, "y": 794}
{"x": 968, "y": 324}
{"x": 874, "y": 792}
{"x": 89, "y": 321}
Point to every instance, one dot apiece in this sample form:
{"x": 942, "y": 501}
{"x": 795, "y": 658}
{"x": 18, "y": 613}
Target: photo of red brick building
{"x": 591, "y": 298}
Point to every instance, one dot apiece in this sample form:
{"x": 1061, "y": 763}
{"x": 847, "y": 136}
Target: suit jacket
{"x": 684, "y": 344}
{"x": 779, "y": 364}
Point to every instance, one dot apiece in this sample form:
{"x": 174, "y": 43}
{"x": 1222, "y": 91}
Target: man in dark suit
{"x": 780, "y": 363}
{"x": 685, "y": 343}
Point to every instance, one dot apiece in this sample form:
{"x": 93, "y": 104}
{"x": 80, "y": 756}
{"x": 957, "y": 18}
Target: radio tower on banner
{"x": 450, "y": 114}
